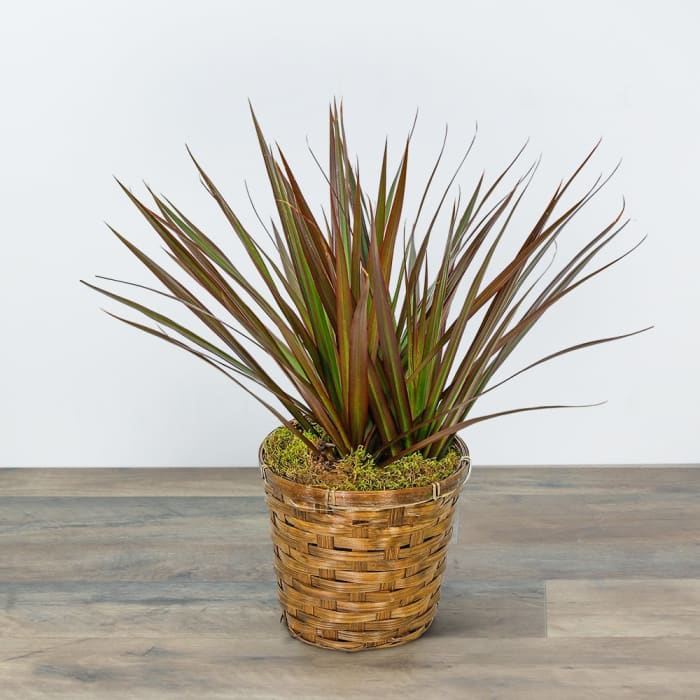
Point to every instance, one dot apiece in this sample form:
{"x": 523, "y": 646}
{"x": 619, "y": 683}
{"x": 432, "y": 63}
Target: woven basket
{"x": 360, "y": 569}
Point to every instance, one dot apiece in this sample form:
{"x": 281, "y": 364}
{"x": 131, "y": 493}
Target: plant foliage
{"x": 372, "y": 344}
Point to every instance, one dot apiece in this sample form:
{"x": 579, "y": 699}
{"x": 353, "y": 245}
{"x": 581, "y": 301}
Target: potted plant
{"x": 383, "y": 357}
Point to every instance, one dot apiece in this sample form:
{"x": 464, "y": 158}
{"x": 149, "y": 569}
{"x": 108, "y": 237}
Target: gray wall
{"x": 95, "y": 89}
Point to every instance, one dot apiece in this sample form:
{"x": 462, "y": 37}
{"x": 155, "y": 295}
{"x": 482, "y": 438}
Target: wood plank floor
{"x": 562, "y": 583}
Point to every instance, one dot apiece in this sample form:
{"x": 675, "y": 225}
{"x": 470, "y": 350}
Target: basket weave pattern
{"x": 360, "y": 569}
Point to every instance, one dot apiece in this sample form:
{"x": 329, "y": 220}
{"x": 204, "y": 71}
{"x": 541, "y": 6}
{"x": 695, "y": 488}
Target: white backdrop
{"x": 92, "y": 89}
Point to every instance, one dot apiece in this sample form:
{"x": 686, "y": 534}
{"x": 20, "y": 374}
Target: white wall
{"x": 91, "y": 89}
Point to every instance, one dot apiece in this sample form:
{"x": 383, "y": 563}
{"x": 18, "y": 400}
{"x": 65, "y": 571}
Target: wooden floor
{"x": 562, "y": 583}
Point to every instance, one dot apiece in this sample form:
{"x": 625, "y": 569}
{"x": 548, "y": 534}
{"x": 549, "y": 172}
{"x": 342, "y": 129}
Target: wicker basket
{"x": 360, "y": 569}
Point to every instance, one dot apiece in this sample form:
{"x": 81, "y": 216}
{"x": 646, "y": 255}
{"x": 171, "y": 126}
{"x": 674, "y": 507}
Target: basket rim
{"x": 387, "y": 498}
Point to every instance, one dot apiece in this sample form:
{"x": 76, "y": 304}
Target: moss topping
{"x": 289, "y": 456}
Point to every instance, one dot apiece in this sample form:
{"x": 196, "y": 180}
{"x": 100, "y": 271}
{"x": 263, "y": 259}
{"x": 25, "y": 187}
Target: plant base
{"x": 360, "y": 570}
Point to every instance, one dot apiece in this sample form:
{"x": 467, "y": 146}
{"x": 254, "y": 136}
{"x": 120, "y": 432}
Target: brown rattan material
{"x": 360, "y": 569}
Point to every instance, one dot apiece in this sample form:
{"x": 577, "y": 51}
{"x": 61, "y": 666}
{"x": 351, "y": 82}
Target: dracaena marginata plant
{"x": 375, "y": 350}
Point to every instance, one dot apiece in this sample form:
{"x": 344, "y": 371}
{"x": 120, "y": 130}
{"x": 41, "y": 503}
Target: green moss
{"x": 288, "y": 455}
